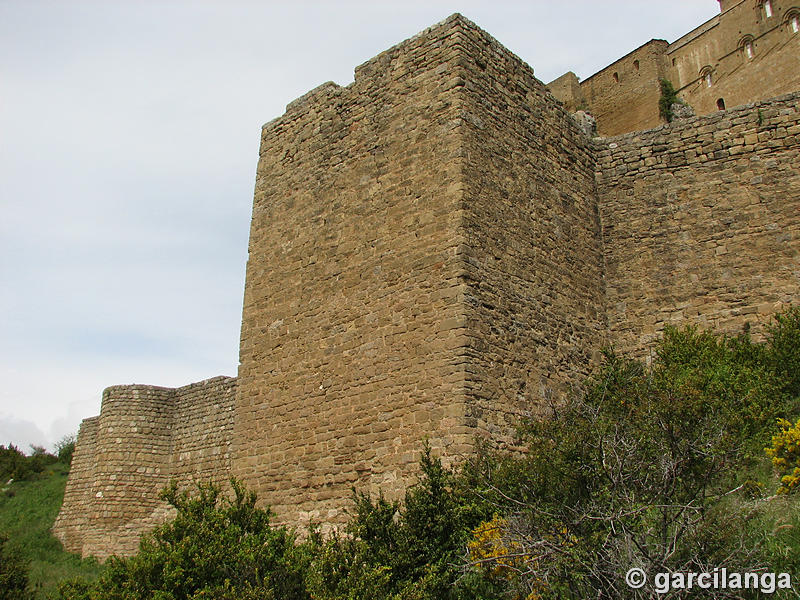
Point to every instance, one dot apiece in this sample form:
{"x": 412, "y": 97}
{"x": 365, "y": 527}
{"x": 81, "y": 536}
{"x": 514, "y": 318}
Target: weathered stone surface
{"x": 701, "y": 222}
{"x": 681, "y": 111}
{"x": 436, "y": 250}
{"x": 144, "y": 437}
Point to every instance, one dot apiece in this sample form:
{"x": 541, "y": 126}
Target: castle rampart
{"x": 530, "y": 241}
{"x": 701, "y": 222}
{"x": 144, "y": 436}
{"x": 435, "y": 250}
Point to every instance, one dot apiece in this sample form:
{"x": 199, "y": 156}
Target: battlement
{"x": 436, "y": 250}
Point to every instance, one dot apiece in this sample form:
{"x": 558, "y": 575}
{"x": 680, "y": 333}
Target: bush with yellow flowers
{"x": 785, "y": 454}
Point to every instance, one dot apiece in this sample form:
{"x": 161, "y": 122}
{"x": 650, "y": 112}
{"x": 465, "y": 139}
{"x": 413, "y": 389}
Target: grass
{"x": 27, "y": 512}
{"x": 778, "y": 522}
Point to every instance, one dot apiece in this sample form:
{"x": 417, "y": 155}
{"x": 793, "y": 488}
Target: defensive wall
{"x": 436, "y": 250}
{"x": 701, "y": 222}
{"x": 748, "y": 52}
{"x": 144, "y": 437}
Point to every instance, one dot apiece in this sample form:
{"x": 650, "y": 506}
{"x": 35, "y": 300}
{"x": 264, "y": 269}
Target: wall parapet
{"x": 759, "y": 127}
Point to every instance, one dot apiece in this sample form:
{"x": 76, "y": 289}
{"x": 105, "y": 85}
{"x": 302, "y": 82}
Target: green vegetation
{"x": 406, "y": 551}
{"x": 661, "y": 467}
{"x": 65, "y": 447}
{"x": 216, "y": 548}
{"x": 668, "y": 97}
{"x": 28, "y": 508}
{"x": 14, "y": 464}
{"x": 13, "y": 573}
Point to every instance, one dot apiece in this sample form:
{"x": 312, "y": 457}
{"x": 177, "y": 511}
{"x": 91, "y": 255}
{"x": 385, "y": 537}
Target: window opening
{"x": 721, "y": 104}
{"x": 706, "y": 75}
{"x": 746, "y": 46}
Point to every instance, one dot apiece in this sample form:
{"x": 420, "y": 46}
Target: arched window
{"x": 707, "y": 77}
{"x": 720, "y": 104}
{"x": 636, "y": 65}
{"x": 767, "y": 4}
{"x": 792, "y": 21}
{"x": 747, "y": 48}
{"x": 616, "y": 77}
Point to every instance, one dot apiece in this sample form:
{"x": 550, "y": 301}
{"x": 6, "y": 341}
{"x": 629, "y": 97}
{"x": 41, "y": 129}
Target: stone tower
{"x": 425, "y": 260}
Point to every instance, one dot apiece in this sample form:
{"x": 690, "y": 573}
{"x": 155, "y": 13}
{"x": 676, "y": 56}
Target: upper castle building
{"x": 748, "y": 52}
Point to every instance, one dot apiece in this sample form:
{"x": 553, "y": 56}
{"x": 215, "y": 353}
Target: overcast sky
{"x": 128, "y": 145}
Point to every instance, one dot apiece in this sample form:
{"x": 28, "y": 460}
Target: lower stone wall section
{"x": 73, "y": 524}
{"x": 144, "y": 437}
{"x": 701, "y": 222}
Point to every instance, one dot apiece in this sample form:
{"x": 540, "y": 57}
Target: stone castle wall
{"x": 436, "y": 250}
{"x": 144, "y": 437}
{"x": 717, "y": 48}
{"x": 624, "y": 96}
{"x": 348, "y": 339}
{"x": 530, "y": 238}
{"x": 701, "y": 222}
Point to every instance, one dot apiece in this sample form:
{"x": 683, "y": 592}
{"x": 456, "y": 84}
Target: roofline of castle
{"x": 624, "y": 57}
{"x": 678, "y": 43}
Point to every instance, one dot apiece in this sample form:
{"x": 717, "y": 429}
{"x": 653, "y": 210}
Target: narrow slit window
{"x": 794, "y": 23}
{"x": 636, "y": 65}
{"x": 616, "y": 77}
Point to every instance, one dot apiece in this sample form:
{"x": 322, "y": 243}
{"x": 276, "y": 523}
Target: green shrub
{"x": 408, "y": 550}
{"x": 65, "y": 448}
{"x": 13, "y": 573}
{"x": 668, "y": 97}
{"x": 651, "y": 467}
{"x": 216, "y": 547}
{"x": 782, "y": 352}
{"x": 15, "y": 465}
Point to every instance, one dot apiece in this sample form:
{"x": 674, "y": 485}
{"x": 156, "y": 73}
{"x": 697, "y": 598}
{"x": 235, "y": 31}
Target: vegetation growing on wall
{"x": 668, "y": 97}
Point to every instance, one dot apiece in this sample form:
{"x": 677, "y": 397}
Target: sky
{"x": 129, "y": 136}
